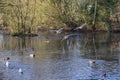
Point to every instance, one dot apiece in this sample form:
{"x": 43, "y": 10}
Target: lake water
{"x": 61, "y": 59}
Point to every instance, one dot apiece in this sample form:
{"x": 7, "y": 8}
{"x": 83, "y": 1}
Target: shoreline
{"x": 64, "y": 31}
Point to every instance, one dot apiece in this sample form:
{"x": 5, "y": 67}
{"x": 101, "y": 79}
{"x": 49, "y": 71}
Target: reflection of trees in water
{"x": 96, "y": 45}
{"x": 1, "y": 75}
{"x": 119, "y": 61}
{"x": 72, "y": 45}
{"x": 21, "y": 43}
{"x": 15, "y": 45}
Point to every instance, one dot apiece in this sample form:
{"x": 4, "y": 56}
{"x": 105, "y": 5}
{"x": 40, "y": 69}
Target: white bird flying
{"x": 80, "y": 27}
{"x": 67, "y": 36}
{"x": 57, "y": 31}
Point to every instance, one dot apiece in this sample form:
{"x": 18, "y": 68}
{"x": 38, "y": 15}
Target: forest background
{"x": 30, "y": 16}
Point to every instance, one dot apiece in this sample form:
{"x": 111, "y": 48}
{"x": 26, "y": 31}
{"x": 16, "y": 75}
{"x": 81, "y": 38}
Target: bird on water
{"x": 92, "y": 61}
{"x": 7, "y": 63}
{"x": 20, "y": 71}
{"x": 6, "y": 58}
{"x": 32, "y": 55}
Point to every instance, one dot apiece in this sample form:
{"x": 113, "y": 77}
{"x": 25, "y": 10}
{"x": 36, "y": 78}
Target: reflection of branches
{"x": 86, "y": 42}
{"x": 89, "y": 44}
{"x": 21, "y": 43}
{"x": 94, "y": 46}
{"x": 73, "y": 45}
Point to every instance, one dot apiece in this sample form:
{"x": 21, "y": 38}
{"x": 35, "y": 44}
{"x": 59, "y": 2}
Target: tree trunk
{"x": 94, "y": 17}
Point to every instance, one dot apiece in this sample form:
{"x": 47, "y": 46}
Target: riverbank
{"x": 116, "y": 29}
{"x": 62, "y": 32}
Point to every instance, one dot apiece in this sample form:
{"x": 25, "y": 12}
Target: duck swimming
{"x": 7, "y": 63}
{"x": 92, "y": 61}
{"x": 20, "y": 71}
{"x": 32, "y": 55}
{"x": 6, "y": 58}
{"x": 103, "y": 73}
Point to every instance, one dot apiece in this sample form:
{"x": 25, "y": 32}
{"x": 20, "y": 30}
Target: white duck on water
{"x": 20, "y": 71}
{"x": 32, "y": 55}
{"x": 92, "y": 61}
{"x": 7, "y": 63}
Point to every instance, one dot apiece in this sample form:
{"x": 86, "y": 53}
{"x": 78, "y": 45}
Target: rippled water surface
{"x": 61, "y": 59}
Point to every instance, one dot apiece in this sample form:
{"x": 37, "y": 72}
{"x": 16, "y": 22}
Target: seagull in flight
{"x": 80, "y": 27}
{"x": 67, "y": 36}
{"x": 57, "y": 31}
